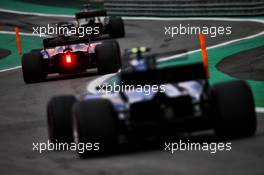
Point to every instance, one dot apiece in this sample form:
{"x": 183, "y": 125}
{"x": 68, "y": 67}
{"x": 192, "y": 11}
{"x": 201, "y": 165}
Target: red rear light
{"x": 68, "y": 58}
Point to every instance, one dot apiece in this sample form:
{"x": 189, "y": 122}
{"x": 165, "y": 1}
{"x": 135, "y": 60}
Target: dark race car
{"x": 70, "y": 55}
{"x": 114, "y": 26}
{"x": 174, "y": 99}
{"x": 96, "y": 24}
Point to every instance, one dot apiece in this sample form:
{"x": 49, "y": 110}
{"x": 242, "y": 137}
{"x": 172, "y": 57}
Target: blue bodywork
{"x": 194, "y": 89}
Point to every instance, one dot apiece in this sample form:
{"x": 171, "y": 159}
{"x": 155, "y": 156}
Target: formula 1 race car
{"x": 96, "y": 23}
{"x": 70, "y": 55}
{"x": 114, "y": 26}
{"x": 170, "y": 100}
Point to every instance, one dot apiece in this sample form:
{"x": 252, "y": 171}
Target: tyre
{"x": 32, "y": 67}
{"x": 234, "y": 114}
{"x": 115, "y": 42}
{"x": 94, "y": 122}
{"x": 116, "y": 27}
{"x": 108, "y": 59}
{"x": 59, "y": 113}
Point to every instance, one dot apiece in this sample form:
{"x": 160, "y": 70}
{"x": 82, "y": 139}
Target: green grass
{"x": 9, "y": 42}
{"x": 31, "y": 7}
{"x": 217, "y": 54}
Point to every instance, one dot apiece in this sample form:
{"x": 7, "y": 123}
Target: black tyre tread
{"x": 108, "y": 60}
{"x": 116, "y": 27}
{"x": 235, "y": 110}
{"x": 59, "y": 111}
{"x": 116, "y": 43}
{"x": 32, "y": 67}
{"x": 95, "y": 121}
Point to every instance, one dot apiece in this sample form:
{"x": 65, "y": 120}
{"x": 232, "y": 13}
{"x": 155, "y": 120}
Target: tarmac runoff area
{"x": 247, "y": 65}
{"x": 4, "y": 53}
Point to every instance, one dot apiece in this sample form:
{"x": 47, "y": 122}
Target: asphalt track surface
{"x": 247, "y": 65}
{"x": 23, "y": 117}
{"x": 4, "y": 53}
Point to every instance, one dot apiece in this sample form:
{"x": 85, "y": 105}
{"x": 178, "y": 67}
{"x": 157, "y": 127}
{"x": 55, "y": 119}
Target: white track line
{"x": 211, "y": 47}
{"x": 260, "y": 110}
{"x": 192, "y": 19}
{"x": 91, "y": 87}
{"x": 13, "y": 68}
{"x": 98, "y": 81}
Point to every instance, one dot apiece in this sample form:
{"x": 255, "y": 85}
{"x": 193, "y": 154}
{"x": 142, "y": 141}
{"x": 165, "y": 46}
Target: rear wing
{"x": 90, "y": 14}
{"x": 165, "y": 75}
{"x": 61, "y": 41}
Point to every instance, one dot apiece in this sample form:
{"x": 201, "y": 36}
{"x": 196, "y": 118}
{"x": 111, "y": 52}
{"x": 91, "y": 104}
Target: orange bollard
{"x": 18, "y": 41}
{"x": 204, "y": 54}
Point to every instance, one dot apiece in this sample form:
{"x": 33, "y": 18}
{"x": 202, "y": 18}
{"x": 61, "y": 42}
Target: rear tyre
{"x": 115, "y": 42}
{"x": 59, "y": 113}
{"x": 116, "y": 27}
{"x": 32, "y": 67}
{"x": 94, "y": 122}
{"x": 235, "y": 114}
{"x": 108, "y": 59}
